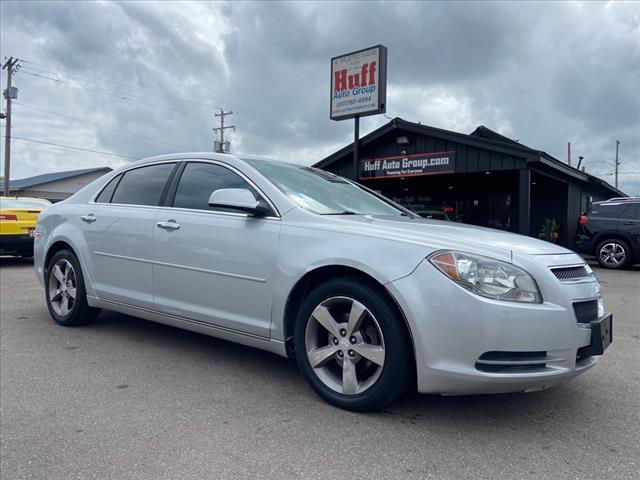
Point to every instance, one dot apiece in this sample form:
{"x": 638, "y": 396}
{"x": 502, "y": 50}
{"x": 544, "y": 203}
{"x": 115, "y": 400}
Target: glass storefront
{"x": 477, "y": 199}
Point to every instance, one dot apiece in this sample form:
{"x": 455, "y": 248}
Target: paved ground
{"x": 129, "y": 399}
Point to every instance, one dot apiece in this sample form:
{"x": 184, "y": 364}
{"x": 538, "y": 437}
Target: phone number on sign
{"x": 353, "y": 101}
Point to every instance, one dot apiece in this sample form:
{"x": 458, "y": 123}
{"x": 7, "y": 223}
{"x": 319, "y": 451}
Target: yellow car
{"x": 18, "y": 217}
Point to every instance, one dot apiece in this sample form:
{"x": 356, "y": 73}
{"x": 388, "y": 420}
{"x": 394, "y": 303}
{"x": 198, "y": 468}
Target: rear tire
{"x": 65, "y": 291}
{"x": 613, "y": 253}
{"x": 358, "y": 344}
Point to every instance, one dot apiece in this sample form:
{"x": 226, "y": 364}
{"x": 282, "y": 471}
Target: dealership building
{"x": 481, "y": 178}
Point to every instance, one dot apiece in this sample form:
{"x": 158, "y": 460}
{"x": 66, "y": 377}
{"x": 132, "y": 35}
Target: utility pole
{"x": 220, "y": 146}
{"x": 11, "y": 65}
{"x": 617, "y": 162}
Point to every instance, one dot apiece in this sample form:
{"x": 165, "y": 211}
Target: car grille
{"x": 586, "y": 312}
{"x": 571, "y": 273}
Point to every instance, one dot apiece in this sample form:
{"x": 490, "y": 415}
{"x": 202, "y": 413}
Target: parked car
{"x": 368, "y": 297}
{"x": 610, "y": 231}
{"x": 18, "y": 217}
{"x": 433, "y": 214}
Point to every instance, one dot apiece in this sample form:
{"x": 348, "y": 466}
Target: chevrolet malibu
{"x": 369, "y": 298}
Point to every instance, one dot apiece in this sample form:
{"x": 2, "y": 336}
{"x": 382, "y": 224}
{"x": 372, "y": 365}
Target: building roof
{"x": 30, "y": 182}
{"x": 481, "y": 137}
{"x": 484, "y": 132}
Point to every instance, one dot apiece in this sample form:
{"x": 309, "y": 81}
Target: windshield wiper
{"x": 346, "y": 212}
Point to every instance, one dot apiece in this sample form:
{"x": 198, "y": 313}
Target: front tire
{"x": 352, "y": 345}
{"x": 613, "y": 253}
{"x": 65, "y": 292}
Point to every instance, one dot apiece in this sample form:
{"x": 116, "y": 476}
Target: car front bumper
{"x": 467, "y": 344}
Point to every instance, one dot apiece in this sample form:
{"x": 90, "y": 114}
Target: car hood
{"x": 437, "y": 234}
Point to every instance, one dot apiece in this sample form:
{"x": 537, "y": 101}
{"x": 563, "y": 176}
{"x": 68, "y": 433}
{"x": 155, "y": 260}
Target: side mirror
{"x": 239, "y": 199}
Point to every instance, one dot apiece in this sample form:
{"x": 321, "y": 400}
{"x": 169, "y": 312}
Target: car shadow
{"x": 7, "y": 261}
{"x": 596, "y": 266}
{"x": 501, "y": 412}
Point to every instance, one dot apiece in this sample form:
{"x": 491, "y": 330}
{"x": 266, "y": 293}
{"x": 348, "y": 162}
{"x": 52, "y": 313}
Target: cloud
{"x": 545, "y": 73}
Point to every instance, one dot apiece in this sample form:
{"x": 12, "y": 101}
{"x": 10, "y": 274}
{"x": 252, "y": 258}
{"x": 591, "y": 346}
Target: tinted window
{"x": 200, "y": 180}
{"x": 143, "y": 186}
{"x": 107, "y": 192}
{"x": 632, "y": 212}
{"x": 607, "y": 209}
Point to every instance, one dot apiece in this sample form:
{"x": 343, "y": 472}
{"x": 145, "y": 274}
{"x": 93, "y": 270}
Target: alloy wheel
{"x": 613, "y": 254}
{"x": 62, "y": 287}
{"x": 344, "y": 345}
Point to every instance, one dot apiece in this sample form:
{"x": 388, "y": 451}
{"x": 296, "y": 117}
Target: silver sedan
{"x": 367, "y": 296}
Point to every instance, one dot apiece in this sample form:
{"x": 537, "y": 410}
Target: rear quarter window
{"x": 107, "y": 192}
{"x": 604, "y": 210}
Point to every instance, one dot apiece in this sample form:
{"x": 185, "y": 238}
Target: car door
{"x": 629, "y": 224}
{"x": 211, "y": 265}
{"x": 117, "y": 231}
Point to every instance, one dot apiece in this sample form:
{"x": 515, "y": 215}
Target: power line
{"x": 612, "y": 173}
{"x": 205, "y": 108}
{"x": 80, "y": 149}
{"x": 111, "y": 94}
{"x": 122, "y": 85}
{"x": 95, "y": 124}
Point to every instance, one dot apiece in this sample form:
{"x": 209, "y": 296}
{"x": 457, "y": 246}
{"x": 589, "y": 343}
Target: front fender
{"x": 382, "y": 259}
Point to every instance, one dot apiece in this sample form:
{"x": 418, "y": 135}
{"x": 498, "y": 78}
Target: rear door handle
{"x": 169, "y": 225}
{"x": 89, "y": 218}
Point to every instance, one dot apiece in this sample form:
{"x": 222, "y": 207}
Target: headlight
{"x": 488, "y": 277}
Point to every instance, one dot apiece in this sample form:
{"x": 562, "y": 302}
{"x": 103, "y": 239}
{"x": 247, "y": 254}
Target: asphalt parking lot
{"x": 129, "y": 399}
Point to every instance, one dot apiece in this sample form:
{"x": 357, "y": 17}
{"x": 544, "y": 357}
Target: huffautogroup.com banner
{"x": 408, "y": 165}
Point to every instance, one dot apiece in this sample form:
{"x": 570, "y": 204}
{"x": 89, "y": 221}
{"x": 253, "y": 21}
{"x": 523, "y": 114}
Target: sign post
{"x": 358, "y": 89}
{"x": 356, "y": 146}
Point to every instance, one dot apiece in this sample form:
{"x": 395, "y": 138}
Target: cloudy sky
{"x": 134, "y": 79}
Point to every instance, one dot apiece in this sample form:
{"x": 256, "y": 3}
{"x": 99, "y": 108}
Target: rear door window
{"x": 144, "y": 185}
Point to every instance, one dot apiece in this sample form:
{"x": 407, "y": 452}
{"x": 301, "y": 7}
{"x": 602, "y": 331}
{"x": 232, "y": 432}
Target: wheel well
{"x": 53, "y": 249}
{"x": 611, "y": 236}
{"x": 316, "y": 277}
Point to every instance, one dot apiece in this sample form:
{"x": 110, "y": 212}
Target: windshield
{"x": 12, "y": 202}
{"x": 323, "y": 192}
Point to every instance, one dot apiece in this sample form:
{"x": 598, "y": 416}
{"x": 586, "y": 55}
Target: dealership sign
{"x": 408, "y": 165}
{"x": 359, "y": 83}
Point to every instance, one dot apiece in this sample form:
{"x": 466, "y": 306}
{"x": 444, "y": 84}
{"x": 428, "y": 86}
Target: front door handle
{"x": 89, "y": 218}
{"x": 169, "y": 225}
{"x": 629, "y": 223}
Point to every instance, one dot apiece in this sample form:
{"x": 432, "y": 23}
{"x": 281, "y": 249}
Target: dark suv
{"x": 610, "y": 231}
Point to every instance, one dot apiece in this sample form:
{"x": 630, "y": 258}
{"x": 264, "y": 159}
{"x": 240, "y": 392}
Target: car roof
{"x": 617, "y": 202}
{"x": 221, "y": 157}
